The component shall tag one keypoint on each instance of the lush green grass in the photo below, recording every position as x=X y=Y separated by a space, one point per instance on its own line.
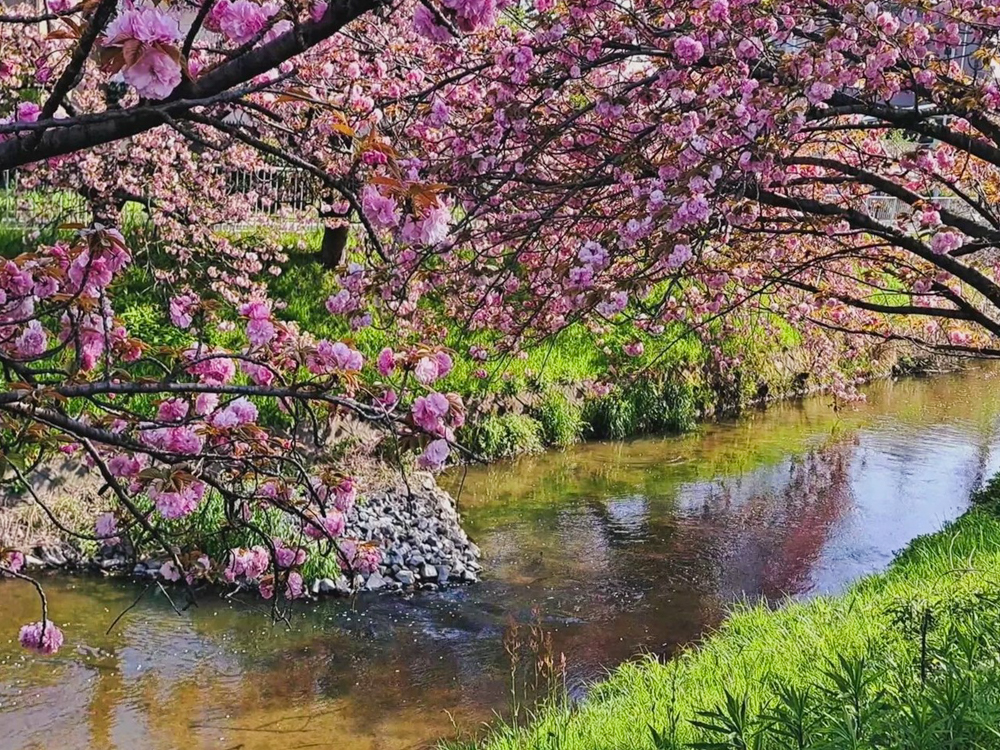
x=906 y=659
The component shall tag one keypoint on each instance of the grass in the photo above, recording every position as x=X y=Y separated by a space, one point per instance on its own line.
x=662 y=391
x=909 y=658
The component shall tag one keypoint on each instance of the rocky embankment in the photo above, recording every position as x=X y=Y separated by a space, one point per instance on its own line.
x=417 y=528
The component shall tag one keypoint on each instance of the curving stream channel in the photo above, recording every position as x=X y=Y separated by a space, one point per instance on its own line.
x=614 y=549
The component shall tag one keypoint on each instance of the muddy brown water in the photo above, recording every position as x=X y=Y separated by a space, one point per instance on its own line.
x=615 y=550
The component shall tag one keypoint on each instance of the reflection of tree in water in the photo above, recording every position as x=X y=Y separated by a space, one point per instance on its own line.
x=623 y=549
x=670 y=568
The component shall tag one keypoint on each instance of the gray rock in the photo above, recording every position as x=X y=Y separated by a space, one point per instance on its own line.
x=444 y=572
x=394 y=558
x=139 y=571
x=33 y=562
x=316 y=587
x=406 y=577
x=53 y=558
x=375 y=582
x=428 y=572
x=327 y=586
x=469 y=577
x=415 y=561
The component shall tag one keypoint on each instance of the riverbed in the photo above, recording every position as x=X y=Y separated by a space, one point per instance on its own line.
x=610 y=551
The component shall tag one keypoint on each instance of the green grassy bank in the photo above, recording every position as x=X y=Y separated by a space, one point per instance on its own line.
x=517 y=404
x=909 y=658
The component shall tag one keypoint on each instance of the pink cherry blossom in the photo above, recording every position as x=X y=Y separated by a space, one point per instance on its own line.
x=12 y=560
x=435 y=455
x=242 y=20
x=173 y=503
x=173 y=410
x=169 y=572
x=106 y=527
x=152 y=65
x=429 y=412
x=688 y=50
x=32 y=341
x=386 y=362
x=43 y=638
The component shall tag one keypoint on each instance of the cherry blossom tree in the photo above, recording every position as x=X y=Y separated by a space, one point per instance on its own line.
x=158 y=105
x=702 y=168
x=832 y=165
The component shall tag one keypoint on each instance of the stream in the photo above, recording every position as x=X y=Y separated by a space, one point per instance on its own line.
x=610 y=550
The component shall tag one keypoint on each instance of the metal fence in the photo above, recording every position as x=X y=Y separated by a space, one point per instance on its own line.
x=886 y=208
x=285 y=200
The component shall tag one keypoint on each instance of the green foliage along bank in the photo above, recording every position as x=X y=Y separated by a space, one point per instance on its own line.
x=909 y=658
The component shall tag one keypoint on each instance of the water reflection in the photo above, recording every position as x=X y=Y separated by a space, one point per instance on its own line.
x=620 y=548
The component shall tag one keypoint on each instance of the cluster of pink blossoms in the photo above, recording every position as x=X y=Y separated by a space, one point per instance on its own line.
x=41 y=637
x=175 y=502
x=32 y=283
x=288 y=557
x=142 y=43
x=359 y=557
x=294 y=586
x=12 y=560
x=247 y=564
x=106 y=529
x=240 y=21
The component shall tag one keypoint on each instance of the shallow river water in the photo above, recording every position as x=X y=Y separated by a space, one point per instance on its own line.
x=614 y=550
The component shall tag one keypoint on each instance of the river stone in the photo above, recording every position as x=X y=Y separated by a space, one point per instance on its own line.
x=443 y=573
x=428 y=572
x=406 y=577
x=52 y=557
x=375 y=582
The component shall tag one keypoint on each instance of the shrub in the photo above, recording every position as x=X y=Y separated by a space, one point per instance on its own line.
x=506 y=435
x=642 y=407
x=561 y=420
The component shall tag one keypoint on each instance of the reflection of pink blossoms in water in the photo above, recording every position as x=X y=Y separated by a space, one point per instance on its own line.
x=44 y=640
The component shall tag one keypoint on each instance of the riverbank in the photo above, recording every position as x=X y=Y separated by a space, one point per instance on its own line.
x=614 y=549
x=415 y=525
x=906 y=658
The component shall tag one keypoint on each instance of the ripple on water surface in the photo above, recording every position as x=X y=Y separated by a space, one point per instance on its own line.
x=611 y=549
